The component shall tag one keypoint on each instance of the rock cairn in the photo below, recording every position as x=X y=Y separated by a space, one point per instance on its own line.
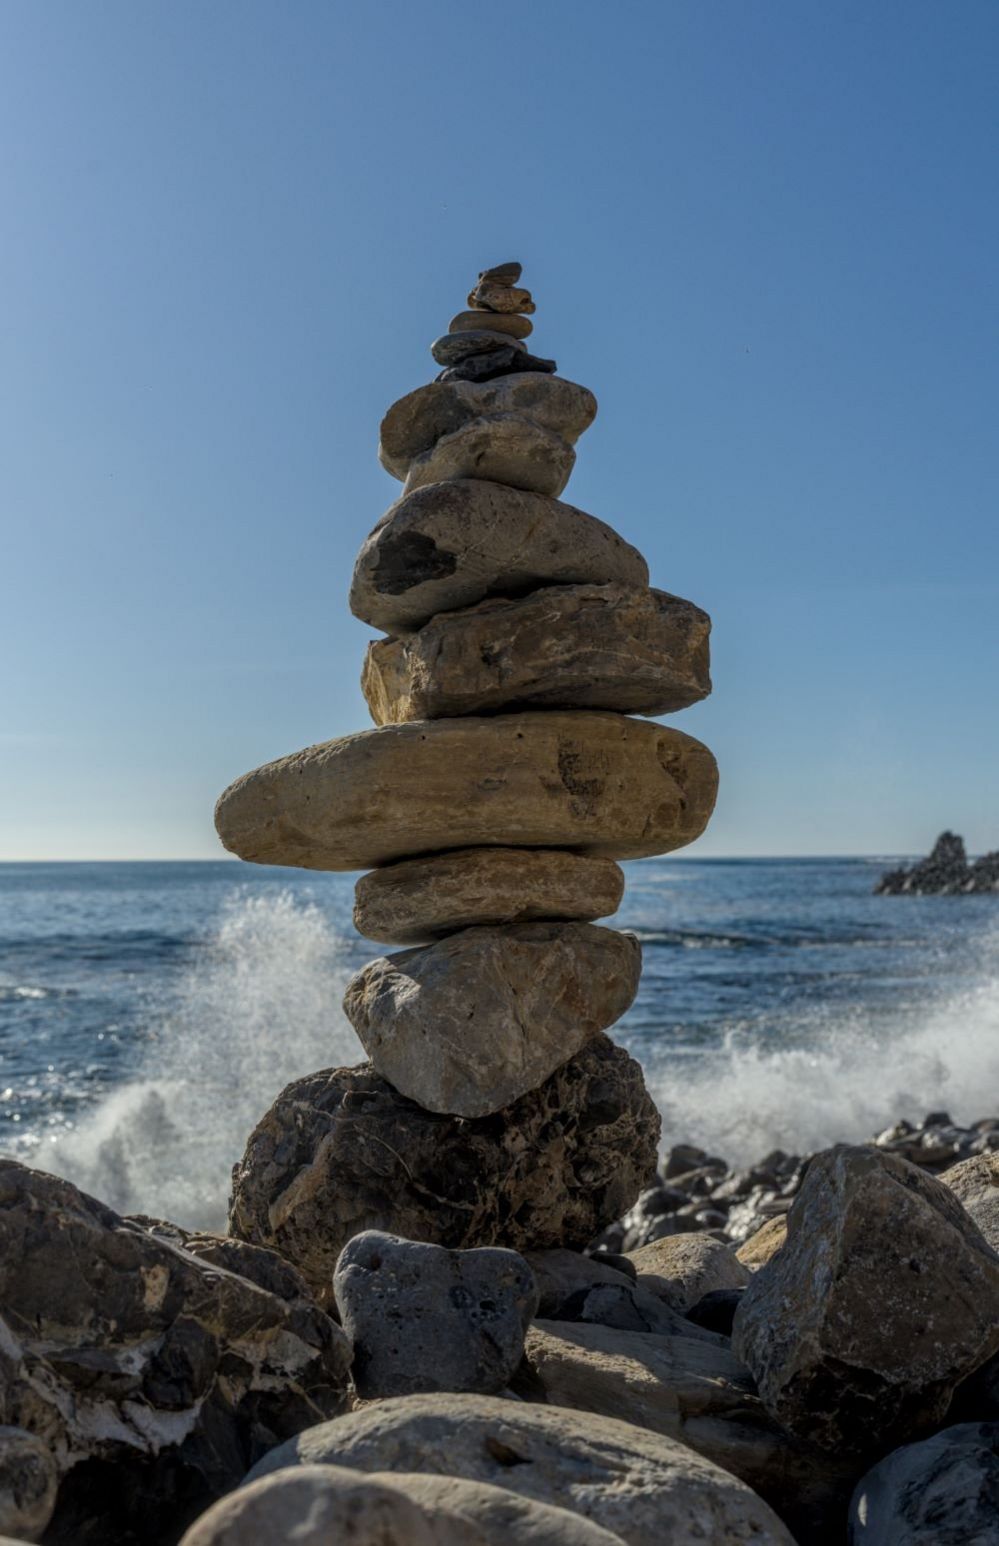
x=505 y=779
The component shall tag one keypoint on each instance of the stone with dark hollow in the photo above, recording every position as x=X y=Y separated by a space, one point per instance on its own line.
x=422 y=1317
x=452 y=544
x=646 y=1489
x=414 y=424
x=419 y=900
x=498 y=448
x=567 y=646
x=341 y=1151
x=471 y=1023
x=883 y=1297
x=600 y=783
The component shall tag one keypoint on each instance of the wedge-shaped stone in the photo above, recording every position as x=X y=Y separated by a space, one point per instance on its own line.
x=566 y=646
x=451 y=544
x=420 y=900
x=342 y=1151
x=500 y=448
x=602 y=783
x=884 y=1296
x=470 y=1024
x=417 y=421
x=647 y=1489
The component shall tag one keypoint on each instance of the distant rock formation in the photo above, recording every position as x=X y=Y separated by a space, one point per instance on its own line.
x=945 y=873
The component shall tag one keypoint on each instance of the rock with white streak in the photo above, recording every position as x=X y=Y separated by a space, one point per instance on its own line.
x=600 y=783
x=471 y=1023
x=419 y=900
x=562 y=647
x=452 y=544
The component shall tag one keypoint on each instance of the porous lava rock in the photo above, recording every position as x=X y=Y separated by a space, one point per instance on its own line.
x=341 y=1151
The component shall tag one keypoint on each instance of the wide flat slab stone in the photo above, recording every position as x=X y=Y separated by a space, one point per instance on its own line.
x=418 y=900
x=499 y=448
x=414 y=424
x=452 y=544
x=647 y=1489
x=633 y=651
x=600 y=783
x=473 y=1022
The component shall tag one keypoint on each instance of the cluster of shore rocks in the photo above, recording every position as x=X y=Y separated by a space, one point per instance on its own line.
x=460 y=1303
x=946 y=872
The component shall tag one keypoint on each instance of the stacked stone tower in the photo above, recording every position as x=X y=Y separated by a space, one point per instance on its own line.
x=508 y=774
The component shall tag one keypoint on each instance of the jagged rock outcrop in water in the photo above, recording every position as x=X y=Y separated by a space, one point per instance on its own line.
x=945 y=873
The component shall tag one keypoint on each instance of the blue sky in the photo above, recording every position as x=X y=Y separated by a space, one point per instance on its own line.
x=764 y=233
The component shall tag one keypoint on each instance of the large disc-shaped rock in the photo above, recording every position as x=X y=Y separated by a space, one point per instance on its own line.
x=500 y=449
x=883 y=1297
x=471 y=1023
x=417 y=421
x=601 y=783
x=451 y=544
x=566 y=646
x=342 y=1151
x=644 y=1488
x=418 y=900
x=153 y=1378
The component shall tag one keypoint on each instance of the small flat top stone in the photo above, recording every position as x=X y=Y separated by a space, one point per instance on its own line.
x=502 y=274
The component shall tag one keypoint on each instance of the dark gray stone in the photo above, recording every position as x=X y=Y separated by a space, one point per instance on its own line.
x=941 y=1492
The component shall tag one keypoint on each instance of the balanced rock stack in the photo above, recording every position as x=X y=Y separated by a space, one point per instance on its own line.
x=505 y=779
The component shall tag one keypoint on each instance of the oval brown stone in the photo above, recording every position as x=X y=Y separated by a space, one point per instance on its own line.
x=600 y=783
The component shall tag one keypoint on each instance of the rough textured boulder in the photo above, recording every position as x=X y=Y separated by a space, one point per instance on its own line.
x=568 y=646
x=419 y=900
x=452 y=544
x=942 y=1492
x=473 y=1022
x=499 y=448
x=642 y=1487
x=975 y=1184
x=324 y=1505
x=884 y=1296
x=422 y=1317
x=681 y=1269
x=417 y=421
x=623 y=788
x=696 y=1391
x=130 y=1358
x=341 y=1151
x=761 y=1247
x=28 y=1482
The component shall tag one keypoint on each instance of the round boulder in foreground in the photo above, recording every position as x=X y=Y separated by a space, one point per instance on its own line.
x=450 y=544
x=418 y=900
x=341 y=1151
x=471 y=1023
x=600 y=783
x=645 y=1488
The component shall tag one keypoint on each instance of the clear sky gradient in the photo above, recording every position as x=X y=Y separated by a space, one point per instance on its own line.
x=764 y=233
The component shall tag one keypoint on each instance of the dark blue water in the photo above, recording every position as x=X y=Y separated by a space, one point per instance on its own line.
x=150 y=1012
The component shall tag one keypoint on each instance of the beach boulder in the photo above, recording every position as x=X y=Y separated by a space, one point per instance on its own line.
x=943 y=1491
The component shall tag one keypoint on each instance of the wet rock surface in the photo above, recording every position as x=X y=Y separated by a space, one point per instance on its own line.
x=423 y=1318
x=341 y=1151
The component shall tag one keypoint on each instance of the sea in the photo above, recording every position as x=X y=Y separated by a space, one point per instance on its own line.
x=150 y=1013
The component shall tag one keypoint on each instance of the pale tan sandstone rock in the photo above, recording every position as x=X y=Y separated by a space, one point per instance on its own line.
x=601 y=783
x=683 y=1268
x=882 y=1299
x=567 y=646
x=499 y=322
x=471 y=1023
x=497 y=1517
x=645 y=1488
x=755 y=1252
x=417 y=421
x=418 y=900
x=975 y=1184
x=696 y=1391
x=500 y=448
x=452 y=544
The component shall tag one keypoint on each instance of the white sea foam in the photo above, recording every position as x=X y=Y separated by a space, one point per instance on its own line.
x=839 y=1077
x=261 y=1008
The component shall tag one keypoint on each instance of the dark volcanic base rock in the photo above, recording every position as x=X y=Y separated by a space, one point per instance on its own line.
x=154 y=1379
x=341 y=1151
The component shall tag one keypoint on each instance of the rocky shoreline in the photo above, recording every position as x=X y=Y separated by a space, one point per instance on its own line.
x=946 y=872
x=462 y=1300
